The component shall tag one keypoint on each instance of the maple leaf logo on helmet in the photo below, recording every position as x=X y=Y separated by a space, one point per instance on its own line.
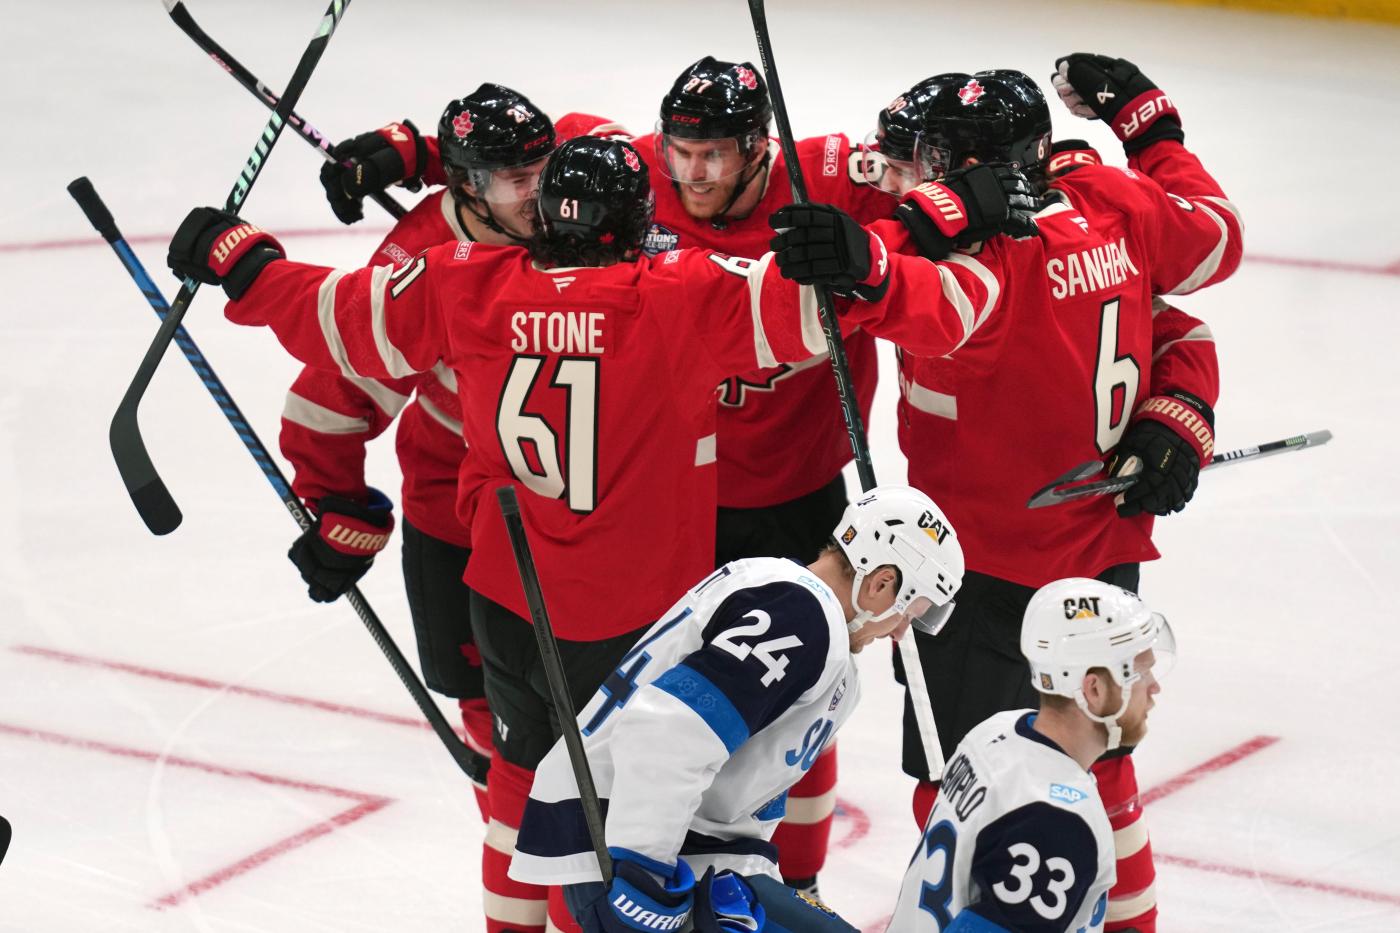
x=971 y=92
x=462 y=124
x=631 y=159
x=746 y=77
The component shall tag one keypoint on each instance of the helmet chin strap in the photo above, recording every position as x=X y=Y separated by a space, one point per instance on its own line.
x=1110 y=723
x=864 y=617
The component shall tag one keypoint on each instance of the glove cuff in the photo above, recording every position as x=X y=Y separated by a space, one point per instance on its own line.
x=353 y=529
x=1187 y=415
x=1142 y=114
x=232 y=245
x=1069 y=155
x=403 y=137
x=941 y=205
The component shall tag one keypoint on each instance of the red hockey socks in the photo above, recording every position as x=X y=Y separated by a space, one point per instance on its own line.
x=925 y=796
x=560 y=920
x=476 y=719
x=805 y=832
x=510 y=905
x=1132 y=901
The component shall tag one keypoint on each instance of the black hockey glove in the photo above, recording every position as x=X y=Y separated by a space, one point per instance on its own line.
x=817 y=244
x=1169 y=439
x=1114 y=91
x=217 y=248
x=966 y=206
x=395 y=154
x=341 y=543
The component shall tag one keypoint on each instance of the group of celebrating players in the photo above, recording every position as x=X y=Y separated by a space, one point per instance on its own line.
x=567 y=303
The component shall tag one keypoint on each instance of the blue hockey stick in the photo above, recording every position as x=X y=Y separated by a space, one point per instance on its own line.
x=471 y=762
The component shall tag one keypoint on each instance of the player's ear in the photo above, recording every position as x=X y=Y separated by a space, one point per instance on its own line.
x=1096 y=692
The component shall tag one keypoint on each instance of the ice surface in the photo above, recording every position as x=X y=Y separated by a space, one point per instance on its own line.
x=128 y=784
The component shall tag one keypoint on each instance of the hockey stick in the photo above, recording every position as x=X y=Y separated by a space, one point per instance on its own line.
x=1064 y=489
x=148 y=493
x=183 y=19
x=558 y=682
x=470 y=761
x=855 y=429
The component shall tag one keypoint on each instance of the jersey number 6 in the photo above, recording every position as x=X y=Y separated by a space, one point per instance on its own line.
x=1115 y=382
x=515 y=428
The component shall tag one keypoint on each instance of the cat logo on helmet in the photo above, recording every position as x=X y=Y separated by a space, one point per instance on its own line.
x=971 y=92
x=462 y=124
x=630 y=157
x=849 y=535
x=933 y=527
x=746 y=77
x=1082 y=607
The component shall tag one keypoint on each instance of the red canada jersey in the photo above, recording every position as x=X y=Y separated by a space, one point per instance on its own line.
x=1029 y=356
x=781 y=431
x=328 y=418
x=590 y=389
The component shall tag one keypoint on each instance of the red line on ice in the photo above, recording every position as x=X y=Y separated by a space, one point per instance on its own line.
x=365 y=804
x=1218 y=763
x=1272 y=877
x=205 y=683
x=859 y=820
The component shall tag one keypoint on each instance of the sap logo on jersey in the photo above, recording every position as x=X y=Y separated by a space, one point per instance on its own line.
x=659 y=240
x=1067 y=794
x=1082 y=607
x=1090 y=270
x=558 y=332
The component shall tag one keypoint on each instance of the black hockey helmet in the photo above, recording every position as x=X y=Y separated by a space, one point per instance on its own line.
x=713 y=99
x=994 y=116
x=888 y=150
x=492 y=128
x=595 y=201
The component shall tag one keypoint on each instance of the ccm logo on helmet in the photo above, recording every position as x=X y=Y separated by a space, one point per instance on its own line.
x=933 y=527
x=1083 y=607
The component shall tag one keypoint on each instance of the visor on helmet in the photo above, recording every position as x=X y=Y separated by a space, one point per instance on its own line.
x=927 y=617
x=879 y=170
x=510 y=184
x=697 y=161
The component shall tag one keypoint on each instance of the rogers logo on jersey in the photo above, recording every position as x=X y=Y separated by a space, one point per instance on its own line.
x=829 y=155
x=660 y=239
x=746 y=77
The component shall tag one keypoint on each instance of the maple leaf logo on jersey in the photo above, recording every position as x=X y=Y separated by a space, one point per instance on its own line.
x=971 y=92
x=631 y=159
x=734 y=390
x=462 y=124
x=746 y=77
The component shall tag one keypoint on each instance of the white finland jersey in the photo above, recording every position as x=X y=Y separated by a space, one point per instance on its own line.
x=696 y=736
x=1018 y=839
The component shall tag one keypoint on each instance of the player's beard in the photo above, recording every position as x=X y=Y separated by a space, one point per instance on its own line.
x=705 y=201
x=1134 y=727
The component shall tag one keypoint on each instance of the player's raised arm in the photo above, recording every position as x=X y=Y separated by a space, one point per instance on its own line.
x=1200 y=242
x=327 y=318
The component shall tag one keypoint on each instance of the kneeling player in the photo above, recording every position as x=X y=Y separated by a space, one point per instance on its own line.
x=1018 y=839
x=721 y=706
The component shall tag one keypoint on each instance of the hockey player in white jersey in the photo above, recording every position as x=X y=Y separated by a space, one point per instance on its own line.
x=1018 y=839
x=720 y=707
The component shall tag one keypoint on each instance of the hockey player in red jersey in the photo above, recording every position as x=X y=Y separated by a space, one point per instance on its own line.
x=717 y=177
x=1056 y=357
x=491 y=147
x=586 y=374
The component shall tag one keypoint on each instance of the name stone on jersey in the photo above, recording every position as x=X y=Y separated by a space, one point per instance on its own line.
x=573 y=332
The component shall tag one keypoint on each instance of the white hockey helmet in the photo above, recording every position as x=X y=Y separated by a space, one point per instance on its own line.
x=900 y=526
x=1076 y=624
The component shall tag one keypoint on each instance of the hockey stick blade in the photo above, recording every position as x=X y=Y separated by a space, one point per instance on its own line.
x=1063 y=489
x=148 y=492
